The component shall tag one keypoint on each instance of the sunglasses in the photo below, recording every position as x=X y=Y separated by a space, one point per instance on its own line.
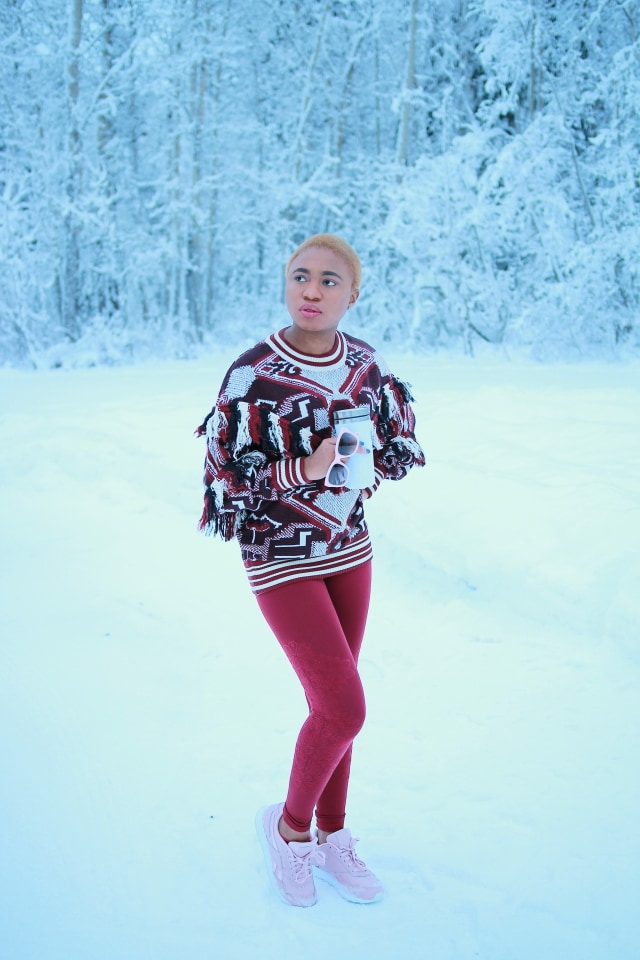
x=347 y=443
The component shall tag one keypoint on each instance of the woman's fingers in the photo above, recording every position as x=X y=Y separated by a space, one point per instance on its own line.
x=317 y=464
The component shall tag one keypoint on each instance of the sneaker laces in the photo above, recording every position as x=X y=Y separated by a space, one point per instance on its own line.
x=300 y=866
x=349 y=858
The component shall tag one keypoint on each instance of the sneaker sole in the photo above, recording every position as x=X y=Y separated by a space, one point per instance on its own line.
x=266 y=853
x=344 y=892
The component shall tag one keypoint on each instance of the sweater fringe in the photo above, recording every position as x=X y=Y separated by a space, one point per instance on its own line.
x=218 y=523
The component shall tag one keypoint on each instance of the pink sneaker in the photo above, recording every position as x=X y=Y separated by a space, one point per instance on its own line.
x=288 y=863
x=336 y=862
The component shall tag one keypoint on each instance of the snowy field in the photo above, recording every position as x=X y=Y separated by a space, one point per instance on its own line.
x=147 y=712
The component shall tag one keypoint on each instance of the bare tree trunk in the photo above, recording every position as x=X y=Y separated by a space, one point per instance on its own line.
x=533 y=69
x=377 y=97
x=346 y=88
x=308 y=95
x=409 y=87
x=71 y=270
x=108 y=283
x=211 y=219
x=194 y=272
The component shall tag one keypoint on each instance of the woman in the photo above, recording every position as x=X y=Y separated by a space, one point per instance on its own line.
x=281 y=476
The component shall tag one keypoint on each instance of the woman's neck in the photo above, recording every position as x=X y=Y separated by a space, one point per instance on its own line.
x=313 y=344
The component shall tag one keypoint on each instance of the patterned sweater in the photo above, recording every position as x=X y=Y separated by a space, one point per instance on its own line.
x=274 y=408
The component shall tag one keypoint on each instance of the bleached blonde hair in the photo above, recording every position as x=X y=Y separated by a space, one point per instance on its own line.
x=328 y=241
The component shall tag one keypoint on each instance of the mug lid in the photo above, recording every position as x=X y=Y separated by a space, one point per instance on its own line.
x=358 y=413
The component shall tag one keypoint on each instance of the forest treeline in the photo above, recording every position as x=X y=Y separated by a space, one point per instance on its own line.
x=159 y=161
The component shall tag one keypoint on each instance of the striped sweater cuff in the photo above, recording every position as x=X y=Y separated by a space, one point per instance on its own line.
x=289 y=473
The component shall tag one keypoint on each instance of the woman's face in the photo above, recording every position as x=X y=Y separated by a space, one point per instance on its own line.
x=319 y=290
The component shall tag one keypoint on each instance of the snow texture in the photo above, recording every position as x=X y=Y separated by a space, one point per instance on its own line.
x=147 y=712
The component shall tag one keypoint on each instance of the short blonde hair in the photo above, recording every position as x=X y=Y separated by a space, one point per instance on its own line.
x=330 y=242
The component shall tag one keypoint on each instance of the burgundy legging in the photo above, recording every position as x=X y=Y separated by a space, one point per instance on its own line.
x=319 y=625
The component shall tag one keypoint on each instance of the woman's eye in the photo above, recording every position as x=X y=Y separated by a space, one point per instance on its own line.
x=330 y=283
x=300 y=278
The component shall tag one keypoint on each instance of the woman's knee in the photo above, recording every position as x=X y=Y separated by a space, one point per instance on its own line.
x=357 y=719
x=347 y=712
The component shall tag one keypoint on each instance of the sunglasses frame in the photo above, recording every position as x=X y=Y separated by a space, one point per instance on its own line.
x=337 y=460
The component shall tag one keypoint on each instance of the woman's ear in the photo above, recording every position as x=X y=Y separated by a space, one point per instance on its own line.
x=352 y=299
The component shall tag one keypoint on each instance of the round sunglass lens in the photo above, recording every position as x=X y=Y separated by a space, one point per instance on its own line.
x=347 y=446
x=338 y=474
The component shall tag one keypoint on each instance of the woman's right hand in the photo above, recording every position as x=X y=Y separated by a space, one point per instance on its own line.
x=317 y=464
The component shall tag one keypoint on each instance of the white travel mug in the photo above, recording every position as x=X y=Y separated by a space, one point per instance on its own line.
x=361 y=471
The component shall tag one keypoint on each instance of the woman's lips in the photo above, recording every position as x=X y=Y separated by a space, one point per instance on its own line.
x=309 y=311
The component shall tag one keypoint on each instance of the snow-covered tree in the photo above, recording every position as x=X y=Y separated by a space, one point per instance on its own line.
x=158 y=162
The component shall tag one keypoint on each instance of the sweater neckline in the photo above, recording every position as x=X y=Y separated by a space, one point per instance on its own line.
x=334 y=358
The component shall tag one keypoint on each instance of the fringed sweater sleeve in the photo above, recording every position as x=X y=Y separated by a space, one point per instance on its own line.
x=247 y=462
x=396 y=449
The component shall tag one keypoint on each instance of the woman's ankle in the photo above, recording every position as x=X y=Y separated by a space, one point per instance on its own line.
x=289 y=835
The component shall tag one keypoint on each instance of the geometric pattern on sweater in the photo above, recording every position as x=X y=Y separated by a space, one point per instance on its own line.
x=274 y=408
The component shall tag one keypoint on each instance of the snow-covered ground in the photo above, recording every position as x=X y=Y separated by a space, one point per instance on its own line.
x=147 y=712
